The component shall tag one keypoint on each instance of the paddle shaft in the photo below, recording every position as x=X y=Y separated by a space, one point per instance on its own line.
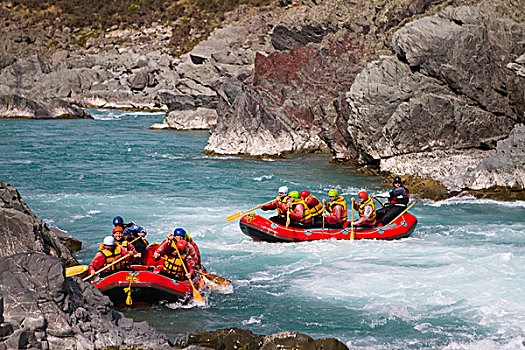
x=404 y=211
x=196 y=294
x=241 y=213
x=378 y=201
x=352 y=223
x=106 y=267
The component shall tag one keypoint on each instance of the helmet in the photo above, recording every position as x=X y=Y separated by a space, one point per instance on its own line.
x=304 y=193
x=181 y=245
x=294 y=195
x=108 y=240
x=284 y=189
x=118 y=229
x=362 y=194
x=118 y=220
x=333 y=193
x=397 y=180
x=179 y=232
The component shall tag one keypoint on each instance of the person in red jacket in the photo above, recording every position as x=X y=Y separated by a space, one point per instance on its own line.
x=280 y=203
x=173 y=267
x=111 y=253
x=337 y=208
x=300 y=216
x=315 y=207
x=181 y=234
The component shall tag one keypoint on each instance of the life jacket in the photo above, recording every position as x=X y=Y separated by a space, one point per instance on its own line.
x=280 y=212
x=361 y=209
x=172 y=263
x=317 y=209
x=307 y=213
x=123 y=244
x=339 y=201
x=112 y=256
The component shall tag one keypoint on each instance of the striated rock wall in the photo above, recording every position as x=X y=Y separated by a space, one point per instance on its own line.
x=447 y=105
x=22 y=231
x=44 y=310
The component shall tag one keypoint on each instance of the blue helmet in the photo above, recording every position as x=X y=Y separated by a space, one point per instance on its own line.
x=118 y=220
x=179 y=232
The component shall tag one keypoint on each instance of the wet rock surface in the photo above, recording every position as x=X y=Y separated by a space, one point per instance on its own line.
x=235 y=338
x=22 y=231
x=43 y=309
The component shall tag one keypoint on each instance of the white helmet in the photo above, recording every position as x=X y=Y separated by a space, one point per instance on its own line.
x=284 y=189
x=108 y=240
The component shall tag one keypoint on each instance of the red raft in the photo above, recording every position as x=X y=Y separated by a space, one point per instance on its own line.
x=142 y=285
x=262 y=229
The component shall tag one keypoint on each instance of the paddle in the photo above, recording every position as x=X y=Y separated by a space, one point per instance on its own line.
x=324 y=202
x=404 y=211
x=287 y=218
x=105 y=267
x=238 y=215
x=378 y=201
x=80 y=269
x=196 y=294
x=352 y=222
x=217 y=279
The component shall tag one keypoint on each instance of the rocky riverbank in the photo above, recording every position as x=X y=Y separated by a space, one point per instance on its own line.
x=425 y=89
x=42 y=309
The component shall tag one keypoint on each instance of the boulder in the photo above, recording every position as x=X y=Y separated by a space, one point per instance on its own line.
x=235 y=338
x=43 y=309
x=14 y=106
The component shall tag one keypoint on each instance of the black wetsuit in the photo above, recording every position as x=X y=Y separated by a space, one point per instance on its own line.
x=397 y=202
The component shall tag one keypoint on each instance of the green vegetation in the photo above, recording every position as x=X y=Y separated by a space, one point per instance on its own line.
x=95 y=16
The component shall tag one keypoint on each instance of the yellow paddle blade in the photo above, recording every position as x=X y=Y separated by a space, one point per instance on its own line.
x=80 y=271
x=234 y=217
x=197 y=296
x=128 y=299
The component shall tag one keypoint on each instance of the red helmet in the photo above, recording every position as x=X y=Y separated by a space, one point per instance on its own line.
x=362 y=194
x=182 y=244
x=304 y=193
x=118 y=229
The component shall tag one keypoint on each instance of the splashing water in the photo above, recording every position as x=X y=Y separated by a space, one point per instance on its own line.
x=457 y=283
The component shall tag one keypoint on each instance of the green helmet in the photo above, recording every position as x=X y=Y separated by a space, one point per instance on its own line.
x=294 y=195
x=333 y=193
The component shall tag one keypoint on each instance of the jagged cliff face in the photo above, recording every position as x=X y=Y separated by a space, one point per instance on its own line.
x=449 y=85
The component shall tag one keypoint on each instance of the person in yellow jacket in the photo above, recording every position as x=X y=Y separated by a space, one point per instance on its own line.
x=337 y=208
x=110 y=253
x=366 y=209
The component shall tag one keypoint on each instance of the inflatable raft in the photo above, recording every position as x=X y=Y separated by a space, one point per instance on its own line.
x=142 y=285
x=262 y=229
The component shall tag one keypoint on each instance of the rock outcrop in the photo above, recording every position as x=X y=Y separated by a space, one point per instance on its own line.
x=13 y=106
x=447 y=86
x=22 y=231
x=234 y=338
x=446 y=107
x=44 y=310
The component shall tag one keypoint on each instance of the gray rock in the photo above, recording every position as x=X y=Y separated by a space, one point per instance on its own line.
x=22 y=231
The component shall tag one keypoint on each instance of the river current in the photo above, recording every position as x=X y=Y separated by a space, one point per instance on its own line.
x=457 y=283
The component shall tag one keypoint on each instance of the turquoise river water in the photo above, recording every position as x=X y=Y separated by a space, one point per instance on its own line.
x=457 y=283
